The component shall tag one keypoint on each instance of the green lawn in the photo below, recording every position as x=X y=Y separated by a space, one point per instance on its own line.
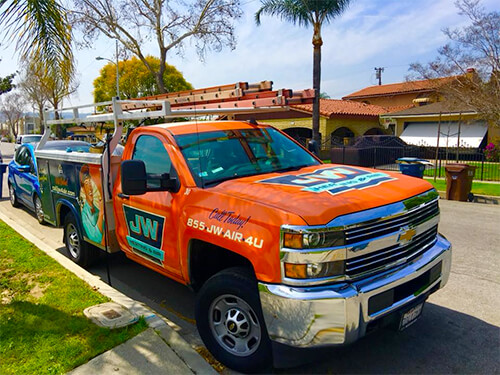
x=479 y=188
x=42 y=326
x=490 y=171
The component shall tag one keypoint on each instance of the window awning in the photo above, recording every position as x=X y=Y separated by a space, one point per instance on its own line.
x=425 y=134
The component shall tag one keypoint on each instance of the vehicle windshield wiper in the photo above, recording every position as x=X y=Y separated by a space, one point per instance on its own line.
x=292 y=168
x=222 y=179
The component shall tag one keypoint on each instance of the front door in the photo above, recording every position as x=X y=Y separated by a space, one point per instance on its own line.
x=24 y=179
x=151 y=225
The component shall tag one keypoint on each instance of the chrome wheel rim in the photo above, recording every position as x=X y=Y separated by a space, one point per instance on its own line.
x=73 y=241
x=38 y=209
x=234 y=325
x=12 y=195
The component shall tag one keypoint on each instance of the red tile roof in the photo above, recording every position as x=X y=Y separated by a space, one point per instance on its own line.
x=398 y=108
x=332 y=107
x=399 y=88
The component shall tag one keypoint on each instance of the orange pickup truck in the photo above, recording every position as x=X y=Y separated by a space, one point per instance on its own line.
x=279 y=246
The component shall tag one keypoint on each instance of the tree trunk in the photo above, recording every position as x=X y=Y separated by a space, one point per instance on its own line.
x=159 y=82
x=317 y=42
x=40 y=114
x=161 y=71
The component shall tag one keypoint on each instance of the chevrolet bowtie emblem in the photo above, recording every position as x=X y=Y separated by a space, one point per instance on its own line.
x=407 y=235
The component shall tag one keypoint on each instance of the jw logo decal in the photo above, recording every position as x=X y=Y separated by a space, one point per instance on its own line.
x=334 y=180
x=145 y=232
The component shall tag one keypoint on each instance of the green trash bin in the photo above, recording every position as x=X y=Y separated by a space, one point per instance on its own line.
x=459 y=179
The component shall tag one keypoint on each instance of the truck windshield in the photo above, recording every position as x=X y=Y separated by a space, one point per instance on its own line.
x=218 y=156
x=31 y=138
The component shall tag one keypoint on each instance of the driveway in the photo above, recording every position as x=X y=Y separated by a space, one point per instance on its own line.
x=458 y=332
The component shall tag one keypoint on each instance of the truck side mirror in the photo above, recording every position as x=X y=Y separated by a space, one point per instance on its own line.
x=171 y=181
x=134 y=178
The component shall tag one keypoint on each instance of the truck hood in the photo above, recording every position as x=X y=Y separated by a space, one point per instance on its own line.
x=321 y=193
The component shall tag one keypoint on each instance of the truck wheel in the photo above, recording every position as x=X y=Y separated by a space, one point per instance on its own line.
x=230 y=321
x=12 y=195
x=79 y=251
x=39 y=210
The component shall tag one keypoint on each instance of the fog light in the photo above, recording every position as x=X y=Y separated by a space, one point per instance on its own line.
x=314 y=270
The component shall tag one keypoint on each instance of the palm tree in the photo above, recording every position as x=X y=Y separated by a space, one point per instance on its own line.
x=42 y=33
x=307 y=13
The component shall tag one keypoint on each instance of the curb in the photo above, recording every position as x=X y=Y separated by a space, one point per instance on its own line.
x=159 y=323
x=485 y=199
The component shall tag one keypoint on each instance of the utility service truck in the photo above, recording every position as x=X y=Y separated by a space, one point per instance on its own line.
x=280 y=247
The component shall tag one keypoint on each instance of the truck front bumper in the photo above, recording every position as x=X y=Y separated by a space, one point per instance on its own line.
x=342 y=313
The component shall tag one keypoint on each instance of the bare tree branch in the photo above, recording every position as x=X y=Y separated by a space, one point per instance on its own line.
x=472 y=57
x=210 y=23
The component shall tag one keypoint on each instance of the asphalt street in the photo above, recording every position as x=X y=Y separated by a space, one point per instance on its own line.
x=459 y=331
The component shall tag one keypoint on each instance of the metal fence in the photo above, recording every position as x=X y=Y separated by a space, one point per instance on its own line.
x=385 y=156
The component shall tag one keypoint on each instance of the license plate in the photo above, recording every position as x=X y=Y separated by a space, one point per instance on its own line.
x=410 y=317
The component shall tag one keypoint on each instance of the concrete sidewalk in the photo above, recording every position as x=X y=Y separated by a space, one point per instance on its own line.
x=158 y=350
x=154 y=351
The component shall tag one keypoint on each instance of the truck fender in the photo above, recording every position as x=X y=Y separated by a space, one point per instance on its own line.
x=68 y=205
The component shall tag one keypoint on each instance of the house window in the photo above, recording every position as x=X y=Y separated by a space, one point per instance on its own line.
x=29 y=128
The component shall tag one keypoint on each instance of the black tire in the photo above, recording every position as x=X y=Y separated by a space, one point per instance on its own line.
x=37 y=202
x=12 y=196
x=470 y=197
x=230 y=321
x=79 y=251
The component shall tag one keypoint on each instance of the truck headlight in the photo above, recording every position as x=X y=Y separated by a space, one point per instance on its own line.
x=313 y=240
x=314 y=270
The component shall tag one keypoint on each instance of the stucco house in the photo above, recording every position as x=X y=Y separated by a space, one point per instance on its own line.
x=401 y=95
x=455 y=124
x=339 y=120
x=416 y=109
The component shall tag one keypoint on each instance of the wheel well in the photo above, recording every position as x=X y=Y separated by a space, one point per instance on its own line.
x=206 y=259
x=63 y=212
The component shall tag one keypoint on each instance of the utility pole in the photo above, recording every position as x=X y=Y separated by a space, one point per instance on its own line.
x=378 y=75
x=117 y=70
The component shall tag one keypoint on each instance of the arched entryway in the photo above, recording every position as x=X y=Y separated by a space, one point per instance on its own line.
x=374 y=131
x=340 y=135
x=299 y=134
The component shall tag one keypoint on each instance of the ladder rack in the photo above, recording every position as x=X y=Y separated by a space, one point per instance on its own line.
x=237 y=98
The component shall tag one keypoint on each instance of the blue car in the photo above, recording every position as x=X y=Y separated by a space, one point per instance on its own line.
x=23 y=179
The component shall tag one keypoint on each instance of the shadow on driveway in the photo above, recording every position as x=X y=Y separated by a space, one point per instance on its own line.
x=442 y=341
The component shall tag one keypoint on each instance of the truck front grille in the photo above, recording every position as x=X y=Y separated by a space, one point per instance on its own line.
x=400 y=252
x=391 y=256
x=371 y=230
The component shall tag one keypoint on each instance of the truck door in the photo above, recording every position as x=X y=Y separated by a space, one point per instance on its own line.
x=151 y=224
x=24 y=180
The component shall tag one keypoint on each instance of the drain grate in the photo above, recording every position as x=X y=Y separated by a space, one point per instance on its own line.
x=110 y=315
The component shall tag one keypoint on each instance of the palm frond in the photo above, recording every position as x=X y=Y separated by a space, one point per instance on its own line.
x=302 y=12
x=292 y=11
x=42 y=32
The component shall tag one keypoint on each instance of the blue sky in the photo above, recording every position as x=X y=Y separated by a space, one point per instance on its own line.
x=371 y=33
